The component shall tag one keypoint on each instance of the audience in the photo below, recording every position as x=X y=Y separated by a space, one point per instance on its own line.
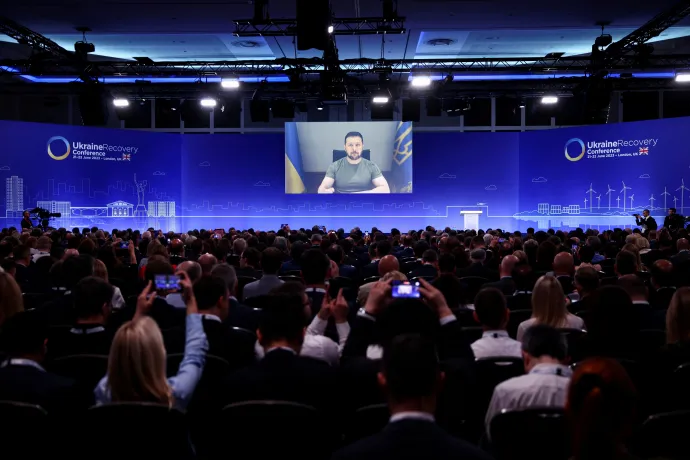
x=491 y=312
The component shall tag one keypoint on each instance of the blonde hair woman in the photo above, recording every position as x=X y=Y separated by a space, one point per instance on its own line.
x=11 y=301
x=549 y=306
x=678 y=317
x=137 y=361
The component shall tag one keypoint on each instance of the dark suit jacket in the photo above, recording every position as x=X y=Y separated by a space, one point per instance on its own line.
x=33 y=386
x=370 y=269
x=477 y=269
x=242 y=316
x=236 y=348
x=506 y=285
x=411 y=439
x=282 y=375
x=92 y=339
x=650 y=222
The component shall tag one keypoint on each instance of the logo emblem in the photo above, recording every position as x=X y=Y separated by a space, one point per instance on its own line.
x=127 y=157
x=644 y=151
x=581 y=153
x=67 y=148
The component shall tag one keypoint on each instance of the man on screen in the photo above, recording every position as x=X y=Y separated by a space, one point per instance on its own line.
x=352 y=173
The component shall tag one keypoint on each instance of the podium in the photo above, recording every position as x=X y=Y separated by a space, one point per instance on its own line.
x=471 y=219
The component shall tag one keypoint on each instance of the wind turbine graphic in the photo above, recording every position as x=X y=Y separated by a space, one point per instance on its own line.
x=585 y=202
x=599 y=201
x=591 y=202
x=682 y=189
x=608 y=192
x=675 y=201
x=652 y=200
x=618 y=201
x=625 y=189
x=665 y=194
x=632 y=198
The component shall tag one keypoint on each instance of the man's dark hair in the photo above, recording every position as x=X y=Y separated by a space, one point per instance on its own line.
x=21 y=252
x=673 y=210
x=90 y=294
x=289 y=288
x=451 y=288
x=490 y=306
x=542 y=340
x=446 y=263
x=430 y=256
x=282 y=318
x=588 y=278
x=411 y=368
x=76 y=268
x=646 y=210
x=157 y=267
x=419 y=248
x=271 y=260
x=296 y=251
x=626 y=263
x=407 y=316
x=23 y=334
x=353 y=134
x=315 y=265
x=383 y=248
x=523 y=276
x=336 y=253
x=208 y=290
x=662 y=273
x=253 y=256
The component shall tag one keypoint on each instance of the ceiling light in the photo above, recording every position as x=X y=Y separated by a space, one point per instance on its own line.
x=230 y=83
x=330 y=29
x=522 y=104
x=120 y=102
x=208 y=102
x=549 y=100
x=421 y=81
x=683 y=77
x=380 y=100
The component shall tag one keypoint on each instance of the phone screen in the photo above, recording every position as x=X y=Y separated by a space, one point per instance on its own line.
x=283 y=225
x=167 y=282
x=501 y=240
x=574 y=247
x=124 y=245
x=406 y=290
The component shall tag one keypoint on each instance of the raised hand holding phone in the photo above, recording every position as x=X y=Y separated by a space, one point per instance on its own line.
x=435 y=299
x=145 y=301
x=187 y=292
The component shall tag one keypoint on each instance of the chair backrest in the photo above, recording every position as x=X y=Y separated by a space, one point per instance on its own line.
x=652 y=339
x=287 y=278
x=296 y=429
x=297 y=273
x=366 y=421
x=511 y=430
x=154 y=430
x=492 y=371
x=256 y=302
x=574 y=338
x=338 y=154
x=371 y=279
x=215 y=367
x=416 y=279
x=472 y=285
x=87 y=370
x=242 y=281
x=26 y=422
x=34 y=300
x=664 y=436
x=516 y=317
x=473 y=333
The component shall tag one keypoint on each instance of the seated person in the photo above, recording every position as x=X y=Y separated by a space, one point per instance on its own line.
x=490 y=310
x=546 y=382
x=352 y=173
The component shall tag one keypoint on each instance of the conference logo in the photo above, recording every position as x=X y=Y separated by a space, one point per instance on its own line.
x=580 y=153
x=58 y=140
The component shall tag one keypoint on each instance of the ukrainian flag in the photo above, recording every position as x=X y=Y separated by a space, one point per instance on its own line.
x=294 y=175
x=401 y=171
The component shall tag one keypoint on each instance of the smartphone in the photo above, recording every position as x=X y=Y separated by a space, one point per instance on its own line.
x=405 y=290
x=167 y=282
x=501 y=240
x=219 y=231
x=574 y=247
x=282 y=226
x=124 y=245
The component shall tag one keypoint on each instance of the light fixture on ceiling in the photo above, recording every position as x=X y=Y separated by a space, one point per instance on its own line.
x=549 y=100
x=208 y=102
x=330 y=29
x=119 y=102
x=683 y=77
x=421 y=81
x=522 y=104
x=230 y=83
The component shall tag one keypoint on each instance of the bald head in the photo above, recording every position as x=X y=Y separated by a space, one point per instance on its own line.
x=682 y=244
x=207 y=262
x=662 y=273
x=563 y=264
x=634 y=286
x=507 y=265
x=176 y=247
x=387 y=264
x=192 y=269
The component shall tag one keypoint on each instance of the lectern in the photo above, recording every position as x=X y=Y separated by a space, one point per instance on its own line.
x=471 y=219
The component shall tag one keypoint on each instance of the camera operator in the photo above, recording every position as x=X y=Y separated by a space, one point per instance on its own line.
x=646 y=222
x=26 y=221
x=673 y=220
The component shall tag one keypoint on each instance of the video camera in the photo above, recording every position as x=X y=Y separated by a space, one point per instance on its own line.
x=44 y=214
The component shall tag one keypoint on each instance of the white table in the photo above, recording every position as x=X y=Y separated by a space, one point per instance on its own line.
x=471 y=219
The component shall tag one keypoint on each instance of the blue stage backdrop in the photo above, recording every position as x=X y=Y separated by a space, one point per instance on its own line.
x=516 y=180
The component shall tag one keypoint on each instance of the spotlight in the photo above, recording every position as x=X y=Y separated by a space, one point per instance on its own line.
x=549 y=100
x=421 y=82
x=120 y=102
x=208 y=102
x=683 y=77
x=330 y=29
x=230 y=83
x=380 y=100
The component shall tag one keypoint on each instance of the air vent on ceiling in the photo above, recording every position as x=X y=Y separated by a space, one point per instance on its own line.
x=440 y=42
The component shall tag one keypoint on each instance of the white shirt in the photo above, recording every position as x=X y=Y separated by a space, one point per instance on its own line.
x=37 y=255
x=175 y=300
x=571 y=322
x=496 y=344
x=316 y=345
x=546 y=385
x=412 y=415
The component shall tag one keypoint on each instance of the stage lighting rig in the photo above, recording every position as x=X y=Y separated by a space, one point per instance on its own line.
x=82 y=48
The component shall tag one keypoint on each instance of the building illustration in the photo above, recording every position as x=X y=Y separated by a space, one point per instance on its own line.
x=161 y=209
x=14 y=197
x=120 y=209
